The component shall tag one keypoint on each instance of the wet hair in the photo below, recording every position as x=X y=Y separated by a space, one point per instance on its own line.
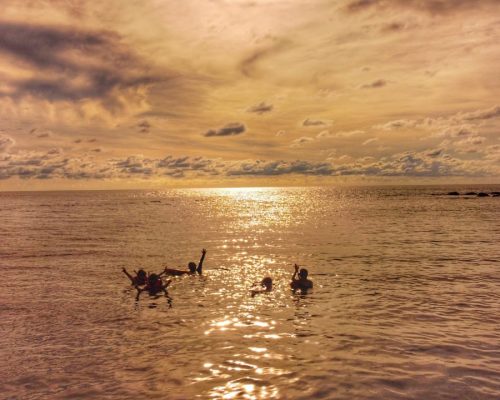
x=192 y=266
x=303 y=273
x=141 y=273
x=267 y=282
x=153 y=278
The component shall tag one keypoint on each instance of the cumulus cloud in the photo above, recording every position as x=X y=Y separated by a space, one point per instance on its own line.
x=274 y=168
x=56 y=164
x=260 y=108
x=457 y=125
x=231 y=129
x=489 y=113
x=457 y=131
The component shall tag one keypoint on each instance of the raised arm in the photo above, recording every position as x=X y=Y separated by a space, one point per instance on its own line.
x=129 y=276
x=200 y=264
x=294 y=276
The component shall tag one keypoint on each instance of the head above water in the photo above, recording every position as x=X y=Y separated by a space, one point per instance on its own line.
x=153 y=278
x=267 y=282
x=192 y=266
x=141 y=273
x=303 y=273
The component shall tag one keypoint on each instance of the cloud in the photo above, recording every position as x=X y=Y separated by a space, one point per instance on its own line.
x=429 y=6
x=325 y=135
x=375 y=84
x=40 y=134
x=275 y=168
x=56 y=164
x=397 y=124
x=231 y=129
x=394 y=26
x=70 y=64
x=260 y=108
x=144 y=126
x=301 y=141
x=248 y=65
x=345 y=134
x=456 y=125
x=315 y=122
x=6 y=142
x=480 y=115
x=434 y=153
x=457 y=131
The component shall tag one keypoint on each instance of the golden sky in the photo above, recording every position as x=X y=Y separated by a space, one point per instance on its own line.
x=160 y=93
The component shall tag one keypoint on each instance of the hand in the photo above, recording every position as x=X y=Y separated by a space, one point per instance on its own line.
x=203 y=251
x=296 y=267
x=124 y=270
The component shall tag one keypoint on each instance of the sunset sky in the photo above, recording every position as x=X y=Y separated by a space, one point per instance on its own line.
x=168 y=93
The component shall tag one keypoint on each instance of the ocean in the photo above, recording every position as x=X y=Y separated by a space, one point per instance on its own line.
x=405 y=305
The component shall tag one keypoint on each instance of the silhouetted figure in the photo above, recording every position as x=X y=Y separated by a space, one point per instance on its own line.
x=266 y=284
x=301 y=283
x=139 y=279
x=193 y=268
x=153 y=286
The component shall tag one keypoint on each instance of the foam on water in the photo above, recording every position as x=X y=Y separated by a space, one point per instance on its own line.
x=406 y=301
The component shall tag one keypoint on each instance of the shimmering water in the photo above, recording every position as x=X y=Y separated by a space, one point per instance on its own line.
x=406 y=301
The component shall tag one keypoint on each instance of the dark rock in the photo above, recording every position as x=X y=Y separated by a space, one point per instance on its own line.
x=482 y=194
x=453 y=194
x=470 y=193
x=495 y=193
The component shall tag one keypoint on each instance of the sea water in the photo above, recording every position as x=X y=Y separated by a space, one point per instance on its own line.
x=406 y=299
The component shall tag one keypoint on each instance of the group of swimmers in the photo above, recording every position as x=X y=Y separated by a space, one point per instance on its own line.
x=153 y=283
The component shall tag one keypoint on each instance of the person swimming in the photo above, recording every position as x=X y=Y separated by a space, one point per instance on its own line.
x=301 y=283
x=139 y=279
x=153 y=286
x=192 y=267
x=266 y=284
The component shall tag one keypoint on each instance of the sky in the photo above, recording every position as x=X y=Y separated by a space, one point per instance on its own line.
x=165 y=93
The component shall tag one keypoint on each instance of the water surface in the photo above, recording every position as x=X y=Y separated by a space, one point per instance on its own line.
x=406 y=301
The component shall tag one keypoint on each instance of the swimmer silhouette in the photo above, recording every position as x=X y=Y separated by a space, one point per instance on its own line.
x=266 y=284
x=139 y=279
x=193 y=269
x=154 y=286
x=301 y=283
